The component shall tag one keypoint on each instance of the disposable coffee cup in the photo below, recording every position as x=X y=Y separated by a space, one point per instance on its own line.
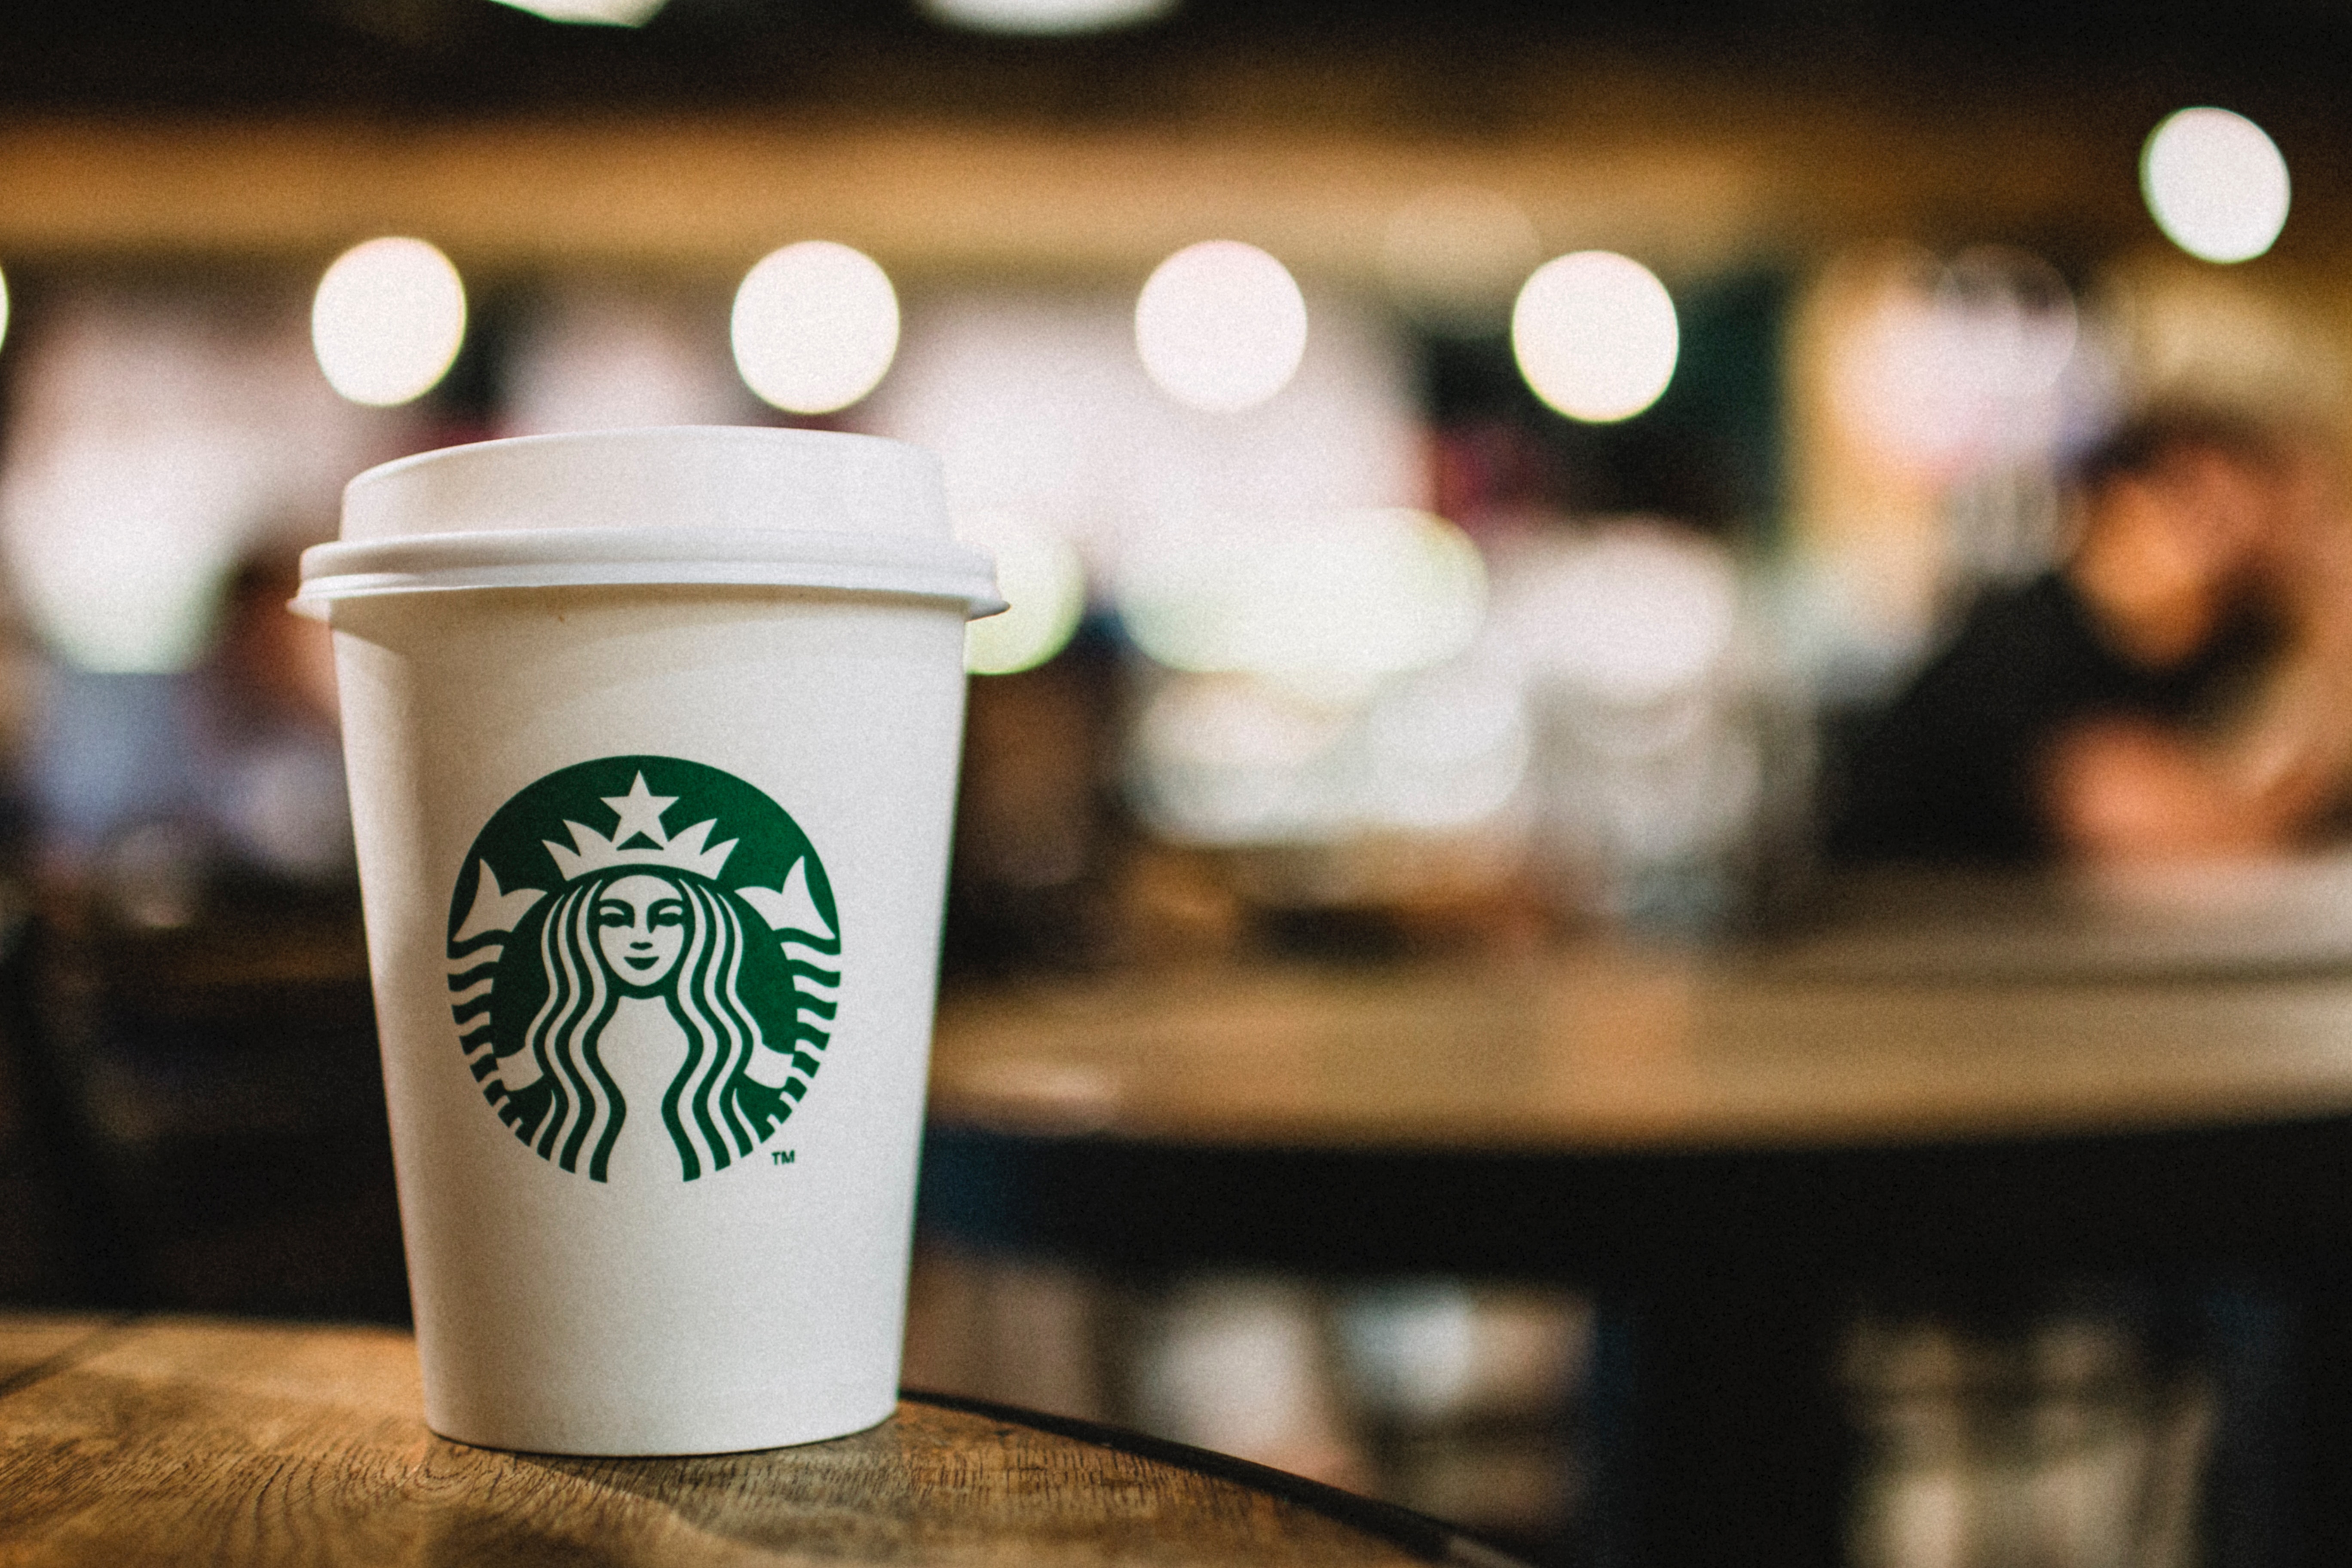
x=652 y=738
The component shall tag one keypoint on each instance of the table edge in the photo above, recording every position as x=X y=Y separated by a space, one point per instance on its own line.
x=1430 y=1539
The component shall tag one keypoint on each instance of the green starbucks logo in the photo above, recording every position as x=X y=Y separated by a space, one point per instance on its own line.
x=623 y=986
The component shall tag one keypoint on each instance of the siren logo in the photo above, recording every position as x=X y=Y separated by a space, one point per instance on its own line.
x=632 y=997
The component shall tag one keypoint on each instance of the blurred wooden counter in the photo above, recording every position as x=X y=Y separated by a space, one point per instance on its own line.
x=205 y=1441
x=1972 y=1096
x=1613 y=1049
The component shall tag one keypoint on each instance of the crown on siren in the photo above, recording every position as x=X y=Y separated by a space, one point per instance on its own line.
x=640 y=813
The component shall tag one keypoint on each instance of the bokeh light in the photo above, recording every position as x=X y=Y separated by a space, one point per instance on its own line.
x=387 y=321
x=1236 y=759
x=1039 y=408
x=2216 y=184
x=1045 y=588
x=4 y=308
x=1632 y=617
x=1952 y=366
x=1332 y=601
x=598 y=12
x=1221 y=326
x=1047 y=18
x=815 y=327
x=1444 y=749
x=1595 y=334
x=120 y=534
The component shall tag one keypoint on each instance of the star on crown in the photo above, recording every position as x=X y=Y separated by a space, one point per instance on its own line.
x=640 y=813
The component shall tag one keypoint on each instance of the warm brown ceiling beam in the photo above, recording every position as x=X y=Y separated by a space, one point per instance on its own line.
x=709 y=195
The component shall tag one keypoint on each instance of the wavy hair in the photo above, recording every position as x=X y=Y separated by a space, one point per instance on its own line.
x=702 y=990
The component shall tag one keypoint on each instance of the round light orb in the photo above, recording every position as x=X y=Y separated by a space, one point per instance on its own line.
x=1631 y=617
x=1047 y=18
x=1044 y=588
x=1221 y=326
x=1949 y=366
x=2216 y=184
x=1595 y=335
x=815 y=327
x=4 y=308
x=387 y=321
x=1330 y=602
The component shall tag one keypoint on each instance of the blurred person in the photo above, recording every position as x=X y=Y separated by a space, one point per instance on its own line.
x=157 y=785
x=269 y=760
x=2180 y=687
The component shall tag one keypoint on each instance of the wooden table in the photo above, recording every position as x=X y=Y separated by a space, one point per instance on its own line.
x=163 y=1440
x=2018 y=1021
x=2146 y=1077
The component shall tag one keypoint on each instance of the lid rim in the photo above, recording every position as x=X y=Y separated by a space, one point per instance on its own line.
x=649 y=545
x=318 y=597
x=895 y=564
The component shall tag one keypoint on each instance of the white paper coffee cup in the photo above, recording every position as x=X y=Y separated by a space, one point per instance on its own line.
x=652 y=738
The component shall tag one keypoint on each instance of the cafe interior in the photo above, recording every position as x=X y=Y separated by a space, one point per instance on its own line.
x=1654 y=859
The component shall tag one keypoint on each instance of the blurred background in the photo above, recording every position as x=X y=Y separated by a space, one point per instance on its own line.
x=1668 y=488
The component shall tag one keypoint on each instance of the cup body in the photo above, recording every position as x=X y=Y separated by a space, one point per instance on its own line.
x=653 y=876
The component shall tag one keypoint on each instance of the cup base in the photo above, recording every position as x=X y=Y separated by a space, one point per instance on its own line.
x=790 y=1436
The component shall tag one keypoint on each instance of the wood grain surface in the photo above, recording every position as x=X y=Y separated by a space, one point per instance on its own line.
x=196 y=1441
x=31 y=1340
x=1613 y=1049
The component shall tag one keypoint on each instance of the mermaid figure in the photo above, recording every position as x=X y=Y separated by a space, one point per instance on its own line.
x=638 y=931
x=613 y=990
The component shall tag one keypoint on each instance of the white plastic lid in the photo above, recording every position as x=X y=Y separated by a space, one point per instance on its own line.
x=680 y=504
